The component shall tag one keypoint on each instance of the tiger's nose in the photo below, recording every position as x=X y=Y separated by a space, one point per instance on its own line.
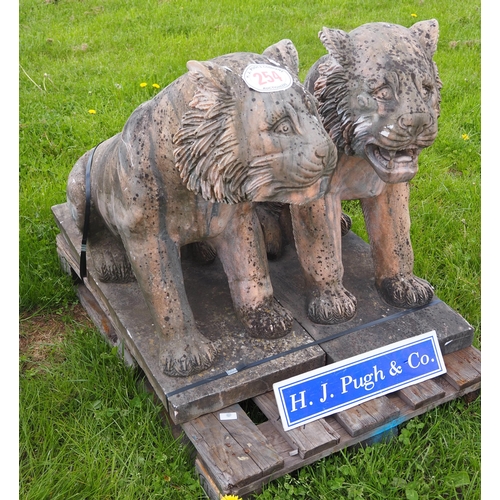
x=415 y=123
x=327 y=153
x=322 y=150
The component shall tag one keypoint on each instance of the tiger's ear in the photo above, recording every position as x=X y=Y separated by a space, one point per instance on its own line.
x=213 y=83
x=338 y=43
x=427 y=33
x=285 y=54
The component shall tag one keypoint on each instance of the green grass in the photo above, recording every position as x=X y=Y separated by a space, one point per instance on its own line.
x=86 y=431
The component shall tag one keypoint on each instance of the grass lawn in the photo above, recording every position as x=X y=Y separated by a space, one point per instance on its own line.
x=87 y=429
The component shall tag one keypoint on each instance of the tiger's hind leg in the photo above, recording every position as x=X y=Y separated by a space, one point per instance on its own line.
x=109 y=257
x=107 y=253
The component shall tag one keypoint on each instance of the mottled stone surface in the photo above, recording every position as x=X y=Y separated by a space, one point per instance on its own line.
x=187 y=167
x=378 y=92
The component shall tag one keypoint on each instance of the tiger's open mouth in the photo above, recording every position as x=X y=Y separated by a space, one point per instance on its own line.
x=393 y=165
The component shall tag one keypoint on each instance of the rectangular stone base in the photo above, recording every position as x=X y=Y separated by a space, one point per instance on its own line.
x=376 y=323
x=259 y=363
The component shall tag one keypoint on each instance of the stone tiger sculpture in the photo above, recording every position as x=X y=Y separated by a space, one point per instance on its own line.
x=188 y=167
x=378 y=91
x=378 y=94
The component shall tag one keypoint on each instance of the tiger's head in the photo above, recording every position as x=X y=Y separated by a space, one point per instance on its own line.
x=379 y=93
x=245 y=140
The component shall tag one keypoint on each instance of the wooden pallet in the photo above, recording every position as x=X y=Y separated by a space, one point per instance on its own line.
x=239 y=456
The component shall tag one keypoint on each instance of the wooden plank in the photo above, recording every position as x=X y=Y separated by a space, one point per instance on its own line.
x=97 y=315
x=421 y=394
x=308 y=439
x=95 y=308
x=277 y=441
x=463 y=368
x=229 y=464
x=254 y=444
x=367 y=416
x=209 y=486
x=356 y=420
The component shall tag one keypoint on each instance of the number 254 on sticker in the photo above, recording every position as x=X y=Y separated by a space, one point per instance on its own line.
x=267 y=78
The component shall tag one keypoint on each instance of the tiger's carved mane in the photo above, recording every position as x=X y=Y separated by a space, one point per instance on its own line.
x=206 y=146
x=331 y=91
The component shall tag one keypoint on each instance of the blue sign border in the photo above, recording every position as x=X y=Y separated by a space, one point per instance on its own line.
x=347 y=383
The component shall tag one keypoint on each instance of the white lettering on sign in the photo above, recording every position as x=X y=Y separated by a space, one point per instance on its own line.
x=267 y=78
x=367 y=382
x=414 y=360
x=295 y=400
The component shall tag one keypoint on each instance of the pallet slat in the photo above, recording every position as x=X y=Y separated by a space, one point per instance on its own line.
x=254 y=444
x=309 y=439
x=226 y=459
x=421 y=394
x=367 y=416
x=463 y=368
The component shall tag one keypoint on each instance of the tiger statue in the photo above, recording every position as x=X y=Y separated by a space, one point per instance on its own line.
x=378 y=94
x=189 y=166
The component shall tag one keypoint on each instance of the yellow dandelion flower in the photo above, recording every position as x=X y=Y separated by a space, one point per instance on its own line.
x=156 y=86
x=414 y=15
x=465 y=137
x=92 y=111
x=144 y=84
x=230 y=497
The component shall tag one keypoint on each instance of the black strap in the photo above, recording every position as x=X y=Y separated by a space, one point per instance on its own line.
x=86 y=222
x=299 y=348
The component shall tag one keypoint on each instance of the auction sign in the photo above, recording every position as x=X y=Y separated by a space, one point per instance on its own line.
x=347 y=383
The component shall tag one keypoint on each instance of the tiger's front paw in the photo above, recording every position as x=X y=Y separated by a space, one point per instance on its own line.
x=406 y=292
x=329 y=308
x=182 y=359
x=269 y=320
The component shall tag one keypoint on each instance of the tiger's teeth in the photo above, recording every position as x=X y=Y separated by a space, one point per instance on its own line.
x=404 y=159
x=385 y=154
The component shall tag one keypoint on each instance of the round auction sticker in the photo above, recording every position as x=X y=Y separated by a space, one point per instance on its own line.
x=267 y=78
